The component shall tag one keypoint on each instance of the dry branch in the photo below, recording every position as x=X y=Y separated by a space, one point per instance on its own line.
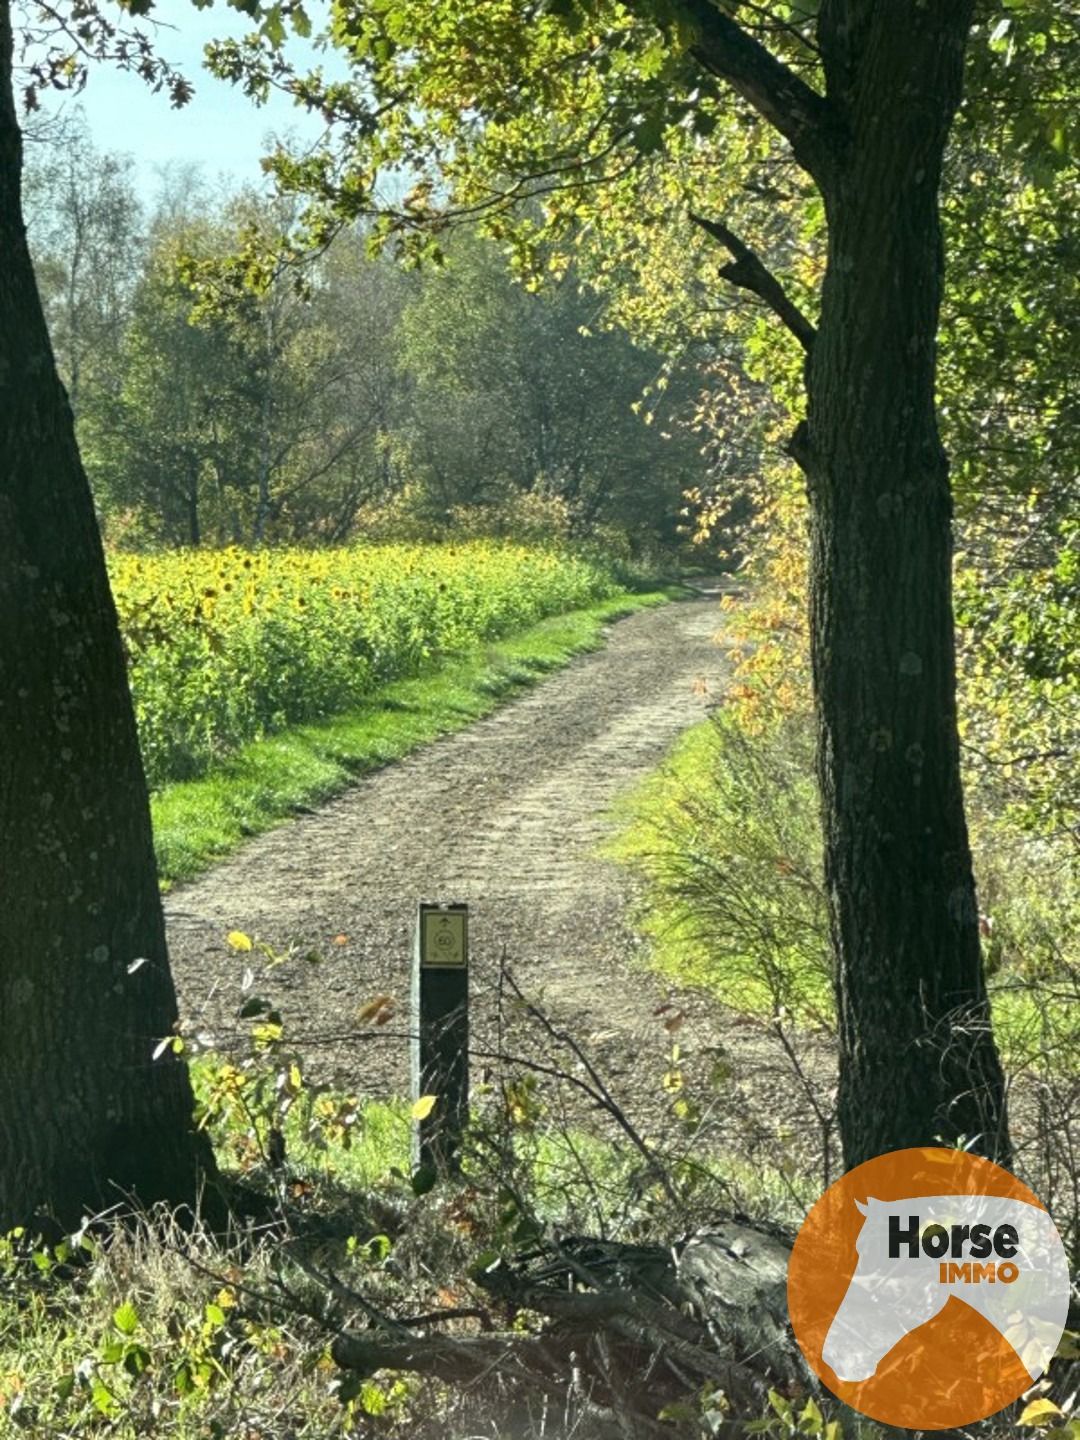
x=635 y=1325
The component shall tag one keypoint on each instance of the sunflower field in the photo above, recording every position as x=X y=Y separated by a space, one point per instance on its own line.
x=228 y=646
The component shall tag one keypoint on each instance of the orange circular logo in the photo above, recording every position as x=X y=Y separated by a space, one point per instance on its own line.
x=928 y=1288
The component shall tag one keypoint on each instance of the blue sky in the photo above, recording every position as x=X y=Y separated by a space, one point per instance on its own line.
x=220 y=129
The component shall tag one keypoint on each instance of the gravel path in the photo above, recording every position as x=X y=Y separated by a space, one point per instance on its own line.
x=506 y=816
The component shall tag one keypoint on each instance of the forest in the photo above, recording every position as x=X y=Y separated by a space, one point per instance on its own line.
x=621 y=480
x=347 y=399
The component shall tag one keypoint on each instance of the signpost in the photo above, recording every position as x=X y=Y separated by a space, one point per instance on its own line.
x=440 y=1033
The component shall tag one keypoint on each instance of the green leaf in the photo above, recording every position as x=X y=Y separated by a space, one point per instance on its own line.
x=782 y=1406
x=103 y=1399
x=424 y=1179
x=649 y=134
x=126 y=1318
x=378 y=1248
x=811 y=1419
x=680 y=1410
x=273 y=27
x=137 y=1360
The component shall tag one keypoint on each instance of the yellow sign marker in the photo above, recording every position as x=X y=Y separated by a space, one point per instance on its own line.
x=443 y=939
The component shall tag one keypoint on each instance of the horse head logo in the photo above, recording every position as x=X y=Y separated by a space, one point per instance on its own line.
x=1002 y=1257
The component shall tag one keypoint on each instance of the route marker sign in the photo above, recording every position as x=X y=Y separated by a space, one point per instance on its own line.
x=444 y=937
x=440 y=1034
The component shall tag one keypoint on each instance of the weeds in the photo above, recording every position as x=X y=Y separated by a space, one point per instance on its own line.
x=727 y=838
x=573 y=1283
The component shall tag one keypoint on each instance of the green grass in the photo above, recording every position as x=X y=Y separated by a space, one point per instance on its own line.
x=383 y=1146
x=726 y=838
x=724 y=835
x=198 y=822
x=644 y=816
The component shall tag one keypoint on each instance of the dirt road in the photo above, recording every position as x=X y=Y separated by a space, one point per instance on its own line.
x=507 y=816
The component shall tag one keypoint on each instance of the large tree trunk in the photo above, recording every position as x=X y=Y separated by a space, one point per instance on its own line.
x=86 y=1114
x=918 y=1062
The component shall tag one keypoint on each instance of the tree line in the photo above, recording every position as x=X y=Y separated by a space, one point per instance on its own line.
x=347 y=395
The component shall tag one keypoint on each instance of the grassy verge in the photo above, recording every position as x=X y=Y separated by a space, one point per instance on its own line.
x=644 y=817
x=725 y=837
x=199 y=821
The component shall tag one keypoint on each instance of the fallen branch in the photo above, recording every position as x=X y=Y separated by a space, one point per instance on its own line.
x=634 y=1326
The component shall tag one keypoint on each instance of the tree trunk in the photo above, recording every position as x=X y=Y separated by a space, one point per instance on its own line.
x=193 y=525
x=86 y=1114
x=266 y=407
x=918 y=1061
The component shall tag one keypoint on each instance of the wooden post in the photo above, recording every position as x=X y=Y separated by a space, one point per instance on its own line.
x=440 y=1033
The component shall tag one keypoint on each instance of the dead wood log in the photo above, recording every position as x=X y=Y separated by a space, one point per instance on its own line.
x=633 y=1326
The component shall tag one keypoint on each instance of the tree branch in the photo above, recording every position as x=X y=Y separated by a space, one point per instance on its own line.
x=748 y=272
x=803 y=116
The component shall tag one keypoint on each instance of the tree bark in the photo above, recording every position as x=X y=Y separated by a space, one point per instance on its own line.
x=86 y=1115
x=918 y=1064
x=193 y=523
x=918 y=1061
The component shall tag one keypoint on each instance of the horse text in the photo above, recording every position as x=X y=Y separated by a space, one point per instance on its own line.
x=936 y=1241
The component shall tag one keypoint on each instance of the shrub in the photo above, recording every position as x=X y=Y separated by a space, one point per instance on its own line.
x=729 y=840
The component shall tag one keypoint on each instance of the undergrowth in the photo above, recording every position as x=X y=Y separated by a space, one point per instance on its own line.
x=140 y=1325
x=726 y=836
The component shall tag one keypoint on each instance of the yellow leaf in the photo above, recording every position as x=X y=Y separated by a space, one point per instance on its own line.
x=424 y=1106
x=239 y=941
x=1039 y=1412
